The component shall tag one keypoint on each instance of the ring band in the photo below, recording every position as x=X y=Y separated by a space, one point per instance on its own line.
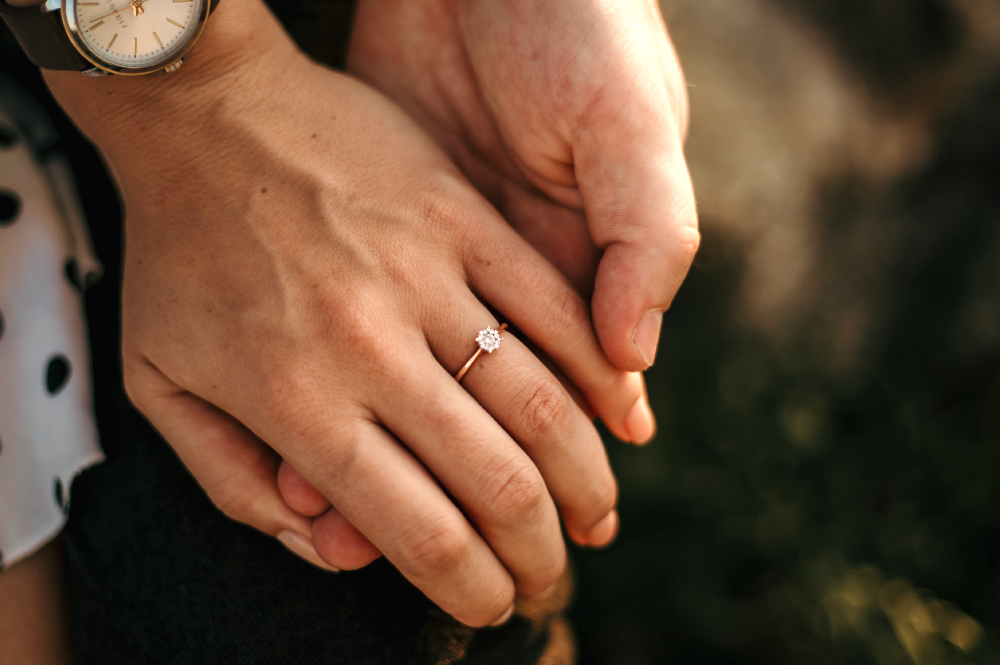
x=488 y=340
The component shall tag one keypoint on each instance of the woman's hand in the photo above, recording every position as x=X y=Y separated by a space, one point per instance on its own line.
x=305 y=268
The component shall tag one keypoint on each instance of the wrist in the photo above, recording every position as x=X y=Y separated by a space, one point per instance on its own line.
x=241 y=45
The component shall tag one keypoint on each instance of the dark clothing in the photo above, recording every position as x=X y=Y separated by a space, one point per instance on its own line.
x=157 y=574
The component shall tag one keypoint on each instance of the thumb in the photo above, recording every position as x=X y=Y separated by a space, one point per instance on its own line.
x=336 y=540
x=640 y=209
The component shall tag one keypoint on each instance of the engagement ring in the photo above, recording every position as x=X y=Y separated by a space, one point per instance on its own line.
x=488 y=340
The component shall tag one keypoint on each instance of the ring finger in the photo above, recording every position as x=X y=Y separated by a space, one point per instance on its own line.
x=489 y=476
x=534 y=408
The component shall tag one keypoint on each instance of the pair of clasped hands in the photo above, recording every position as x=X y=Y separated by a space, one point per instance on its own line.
x=310 y=255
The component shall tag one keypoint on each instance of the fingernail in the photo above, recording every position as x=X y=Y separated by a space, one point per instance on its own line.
x=603 y=532
x=505 y=618
x=640 y=422
x=647 y=335
x=303 y=547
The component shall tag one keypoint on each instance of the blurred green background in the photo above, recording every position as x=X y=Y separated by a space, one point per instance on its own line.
x=824 y=484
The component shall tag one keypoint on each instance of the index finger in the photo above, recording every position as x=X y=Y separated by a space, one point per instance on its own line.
x=640 y=207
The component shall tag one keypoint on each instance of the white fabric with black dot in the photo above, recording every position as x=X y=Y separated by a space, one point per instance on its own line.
x=47 y=429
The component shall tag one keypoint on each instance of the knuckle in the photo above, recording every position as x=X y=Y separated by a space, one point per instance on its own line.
x=483 y=609
x=546 y=578
x=689 y=242
x=566 y=310
x=358 y=326
x=440 y=207
x=546 y=411
x=516 y=492
x=350 y=320
x=436 y=552
x=604 y=497
x=488 y=607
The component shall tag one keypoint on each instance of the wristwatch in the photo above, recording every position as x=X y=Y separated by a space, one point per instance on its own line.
x=102 y=37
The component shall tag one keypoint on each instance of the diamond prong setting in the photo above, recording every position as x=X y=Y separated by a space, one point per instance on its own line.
x=488 y=339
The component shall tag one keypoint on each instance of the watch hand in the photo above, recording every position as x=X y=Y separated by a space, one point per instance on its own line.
x=128 y=6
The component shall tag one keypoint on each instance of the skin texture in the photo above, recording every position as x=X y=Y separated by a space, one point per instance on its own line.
x=569 y=116
x=304 y=271
x=33 y=622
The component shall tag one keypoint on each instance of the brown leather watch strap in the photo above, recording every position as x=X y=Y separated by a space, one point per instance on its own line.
x=43 y=37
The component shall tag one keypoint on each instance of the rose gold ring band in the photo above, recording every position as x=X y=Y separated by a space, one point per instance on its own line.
x=488 y=341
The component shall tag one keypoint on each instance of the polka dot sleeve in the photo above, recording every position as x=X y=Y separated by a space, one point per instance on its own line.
x=47 y=430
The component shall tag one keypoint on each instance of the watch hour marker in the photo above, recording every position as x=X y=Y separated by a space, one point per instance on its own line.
x=96 y=25
x=89 y=4
x=135 y=45
x=112 y=42
x=157 y=40
x=175 y=22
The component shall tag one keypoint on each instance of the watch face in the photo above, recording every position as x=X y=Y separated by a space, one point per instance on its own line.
x=134 y=36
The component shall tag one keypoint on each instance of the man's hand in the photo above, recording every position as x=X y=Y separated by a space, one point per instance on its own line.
x=305 y=268
x=570 y=116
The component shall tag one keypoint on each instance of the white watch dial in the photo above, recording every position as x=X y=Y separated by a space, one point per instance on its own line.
x=136 y=33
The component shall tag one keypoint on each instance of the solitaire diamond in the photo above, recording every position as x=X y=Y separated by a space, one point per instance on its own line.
x=488 y=339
